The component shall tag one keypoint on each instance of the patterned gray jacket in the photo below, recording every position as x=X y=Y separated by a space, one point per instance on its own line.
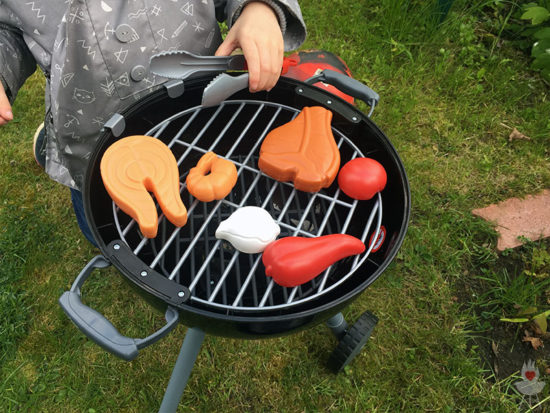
x=95 y=55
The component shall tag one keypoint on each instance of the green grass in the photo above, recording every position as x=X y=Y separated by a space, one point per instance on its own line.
x=444 y=98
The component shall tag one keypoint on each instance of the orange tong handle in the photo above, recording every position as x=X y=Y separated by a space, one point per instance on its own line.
x=136 y=165
x=212 y=178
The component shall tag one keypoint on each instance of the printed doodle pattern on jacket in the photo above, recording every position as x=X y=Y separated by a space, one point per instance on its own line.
x=95 y=55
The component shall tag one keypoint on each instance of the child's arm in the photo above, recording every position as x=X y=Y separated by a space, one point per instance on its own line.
x=258 y=31
x=16 y=65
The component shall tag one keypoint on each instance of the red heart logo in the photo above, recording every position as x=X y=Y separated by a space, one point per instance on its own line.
x=529 y=375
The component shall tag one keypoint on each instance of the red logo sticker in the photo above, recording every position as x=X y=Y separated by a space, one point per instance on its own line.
x=380 y=240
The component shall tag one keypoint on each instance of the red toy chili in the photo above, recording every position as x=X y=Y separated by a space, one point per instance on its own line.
x=293 y=261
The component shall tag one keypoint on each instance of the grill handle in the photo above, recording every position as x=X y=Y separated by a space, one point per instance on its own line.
x=97 y=328
x=347 y=85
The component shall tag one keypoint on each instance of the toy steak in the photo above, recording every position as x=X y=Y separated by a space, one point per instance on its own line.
x=302 y=151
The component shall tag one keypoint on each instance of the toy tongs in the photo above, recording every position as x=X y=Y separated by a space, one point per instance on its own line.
x=181 y=64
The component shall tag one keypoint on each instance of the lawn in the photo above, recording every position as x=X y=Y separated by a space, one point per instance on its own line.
x=450 y=93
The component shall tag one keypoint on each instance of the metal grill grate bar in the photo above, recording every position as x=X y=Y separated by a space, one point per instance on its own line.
x=298 y=227
x=227 y=126
x=173 y=236
x=162 y=127
x=252 y=271
x=253 y=187
x=165 y=248
x=322 y=228
x=223 y=277
x=319 y=232
x=218 y=242
x=243 y=202
x=377 y=207
x=199 y=135
x=245 y=130
x=207 y=221
x=183 y=128
x=374 y=211
x=257 y=260
x=190 y=147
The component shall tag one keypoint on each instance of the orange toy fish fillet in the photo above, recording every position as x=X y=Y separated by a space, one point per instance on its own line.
x=303 y=151
x=135 y=165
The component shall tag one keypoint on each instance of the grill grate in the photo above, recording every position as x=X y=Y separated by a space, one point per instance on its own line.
x=216 y=274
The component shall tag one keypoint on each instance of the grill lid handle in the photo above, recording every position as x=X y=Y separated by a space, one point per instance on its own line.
x=96 y=326
x=347 y=85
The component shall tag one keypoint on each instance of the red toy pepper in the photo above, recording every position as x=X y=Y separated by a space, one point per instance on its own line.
x=293 y=261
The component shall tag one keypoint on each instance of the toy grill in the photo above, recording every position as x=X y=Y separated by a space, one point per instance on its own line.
x=204 y=282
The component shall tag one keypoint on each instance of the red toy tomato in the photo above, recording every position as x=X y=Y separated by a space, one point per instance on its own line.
x=293 y=261
x=362 y=178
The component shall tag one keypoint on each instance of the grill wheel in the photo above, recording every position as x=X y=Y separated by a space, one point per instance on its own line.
x=352 y=342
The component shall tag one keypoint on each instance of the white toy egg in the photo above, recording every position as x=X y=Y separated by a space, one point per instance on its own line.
x=249 y=229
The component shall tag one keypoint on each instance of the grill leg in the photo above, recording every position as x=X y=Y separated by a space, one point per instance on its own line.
x=182 y=370
x=337 y=325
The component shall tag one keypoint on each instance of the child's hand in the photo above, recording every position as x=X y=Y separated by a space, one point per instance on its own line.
x=5 y=108
x=258 y=34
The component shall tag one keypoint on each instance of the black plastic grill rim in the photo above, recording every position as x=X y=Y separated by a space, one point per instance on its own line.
x=316 y=310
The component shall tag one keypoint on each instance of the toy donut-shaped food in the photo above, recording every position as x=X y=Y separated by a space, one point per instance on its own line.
x=212 y=178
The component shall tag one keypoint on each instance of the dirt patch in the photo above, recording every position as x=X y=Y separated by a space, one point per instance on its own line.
x=505 y=351
x=504 y=346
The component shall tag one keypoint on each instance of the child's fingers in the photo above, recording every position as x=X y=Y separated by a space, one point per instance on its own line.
x=227 y=46
x=6 y=115
x=5 y=108
x=276 y=67
x=252 y=56
x=265 y=61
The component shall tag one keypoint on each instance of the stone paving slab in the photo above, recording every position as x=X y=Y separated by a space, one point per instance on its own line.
x=515 y=217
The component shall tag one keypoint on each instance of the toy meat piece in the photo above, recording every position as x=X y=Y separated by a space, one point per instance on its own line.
x=135 y=165
x=362 y=178
x=249 y=229
x=293 y=261
x=302 y=151
x=212 y=178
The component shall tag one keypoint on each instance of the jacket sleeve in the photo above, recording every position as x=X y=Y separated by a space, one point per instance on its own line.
x=16 y=60
x=288 y=12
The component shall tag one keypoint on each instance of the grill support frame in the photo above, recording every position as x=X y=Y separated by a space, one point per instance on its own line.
x=182 y=370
